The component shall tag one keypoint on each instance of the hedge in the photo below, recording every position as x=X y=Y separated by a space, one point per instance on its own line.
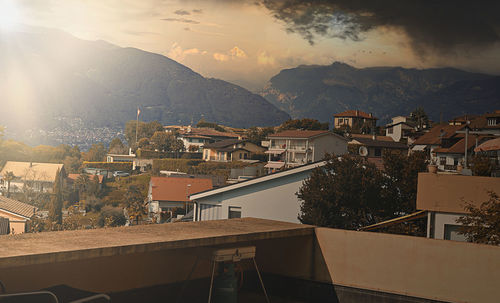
x=111 y=166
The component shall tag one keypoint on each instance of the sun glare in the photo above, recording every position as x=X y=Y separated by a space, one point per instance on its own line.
x=9 y=14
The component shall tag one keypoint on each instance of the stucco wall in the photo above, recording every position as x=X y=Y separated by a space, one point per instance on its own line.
x=328 y=144
x=426 y=268
x=274 y=200
x=15 y=222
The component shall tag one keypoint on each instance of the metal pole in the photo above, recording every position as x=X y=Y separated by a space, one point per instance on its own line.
x=211 y=283
x=260 y=278
x=466 y=143
x=137 y=125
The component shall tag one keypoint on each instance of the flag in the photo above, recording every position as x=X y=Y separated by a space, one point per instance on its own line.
x=138 y=112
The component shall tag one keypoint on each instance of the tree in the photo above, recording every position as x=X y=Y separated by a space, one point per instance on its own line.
x=256 y=134
x=116 y=146
x=96 y=153
x=345 y=193
x=144 y=130
x=420 y=117
x=482 y=225
x=401 y=172
x=304 y=124
x=9 y=177
x=55 y=208
x=134 y=202
x=82 y=184
x=482 y=166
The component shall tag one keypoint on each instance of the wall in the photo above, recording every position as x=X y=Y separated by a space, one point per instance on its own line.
x=433 y=269
x=274 y=199
x=328 y=144
x=15 y=222
x=440 y=219
x=448 y=193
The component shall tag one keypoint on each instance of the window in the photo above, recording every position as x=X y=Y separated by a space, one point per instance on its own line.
x=492 y=121
x=245 y=156
x=451 y=233
x=234 y=212
x=390 y=130
x=340 y=121
x=241 y=155
x=378 y=152
x=442 y=160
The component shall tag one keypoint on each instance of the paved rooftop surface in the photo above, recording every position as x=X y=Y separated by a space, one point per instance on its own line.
x=39 y=248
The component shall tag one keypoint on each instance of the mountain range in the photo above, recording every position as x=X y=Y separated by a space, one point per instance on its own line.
x=320 y=91
x=48 y=76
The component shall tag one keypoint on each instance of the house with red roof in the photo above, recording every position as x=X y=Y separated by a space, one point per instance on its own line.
x=168 y=193
x=355 y=120
x=291 y=148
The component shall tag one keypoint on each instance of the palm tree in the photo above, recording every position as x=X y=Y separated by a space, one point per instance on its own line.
x=82 y=184
x=9 y=176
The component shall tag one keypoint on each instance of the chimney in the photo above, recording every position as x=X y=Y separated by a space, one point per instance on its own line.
x=371 y=116
x=357 y=113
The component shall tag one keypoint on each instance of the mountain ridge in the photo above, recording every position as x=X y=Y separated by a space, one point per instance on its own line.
x=320 y=91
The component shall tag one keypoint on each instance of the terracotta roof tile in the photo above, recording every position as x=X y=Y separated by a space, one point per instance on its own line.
x=176 y=189
x=434 y=136
x=355 y=113
x=17 y=207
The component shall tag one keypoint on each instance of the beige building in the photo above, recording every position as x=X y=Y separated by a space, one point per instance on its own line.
x=39 y=176
x=293 y=148
x=444 y=197
x=18 y=214
x=355 y=120
x=230 y=150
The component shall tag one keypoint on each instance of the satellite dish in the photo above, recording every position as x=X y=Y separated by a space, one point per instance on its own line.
x=363 y=151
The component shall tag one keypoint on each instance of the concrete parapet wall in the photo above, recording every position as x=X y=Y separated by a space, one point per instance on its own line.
x=426 y=268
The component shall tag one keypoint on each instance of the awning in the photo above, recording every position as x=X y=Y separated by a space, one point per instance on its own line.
x=493 y=144
x=415 y=215
x=275 y=165
x=419 y=147
x=275 y=151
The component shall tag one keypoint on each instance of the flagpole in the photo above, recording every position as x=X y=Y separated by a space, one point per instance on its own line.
x=137 y=125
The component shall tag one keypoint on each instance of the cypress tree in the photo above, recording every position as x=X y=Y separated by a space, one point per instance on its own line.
x=55 y=209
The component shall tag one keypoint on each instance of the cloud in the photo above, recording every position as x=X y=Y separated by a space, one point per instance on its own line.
x=263 y=58
x=237 y=52
x=178 y=54
x=183 y=20
x=182 y=12
x=220 y=57
x=197 y=11
x=436 y=26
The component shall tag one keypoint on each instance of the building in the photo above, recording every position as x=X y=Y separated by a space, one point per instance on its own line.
x=356 y=121
x=168 y=193
x=230 y=150
x=401 y=129
x=18 y=214
x=374 y=146
x=268 y=197
x=40 y=177
x=195 y=138
x=444 y=197
x=291 y=148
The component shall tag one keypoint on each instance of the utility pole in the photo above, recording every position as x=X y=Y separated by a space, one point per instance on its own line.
x=137 y=124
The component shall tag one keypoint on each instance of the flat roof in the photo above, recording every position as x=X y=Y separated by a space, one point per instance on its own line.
x=61 y=246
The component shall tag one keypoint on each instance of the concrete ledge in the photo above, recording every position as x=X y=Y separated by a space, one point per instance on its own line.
x=50 y=247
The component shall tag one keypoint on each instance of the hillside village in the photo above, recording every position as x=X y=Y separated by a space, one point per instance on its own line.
x=178 y=173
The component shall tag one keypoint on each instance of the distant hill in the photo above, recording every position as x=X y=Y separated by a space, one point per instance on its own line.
x=47 y=76
x=320 y=91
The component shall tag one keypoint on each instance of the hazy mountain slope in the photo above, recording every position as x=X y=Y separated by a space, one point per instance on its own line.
x=47 y=74
x=320 y=91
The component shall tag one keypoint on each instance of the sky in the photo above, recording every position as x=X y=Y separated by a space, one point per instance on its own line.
x=247 y=42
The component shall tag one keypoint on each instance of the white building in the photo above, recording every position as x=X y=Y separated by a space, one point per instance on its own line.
x=400 y=128
x=268 y=197
x=292 y=148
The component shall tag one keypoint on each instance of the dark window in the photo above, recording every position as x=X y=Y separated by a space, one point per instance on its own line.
x=234 y=212
x=378 y=152
x=390 y=130
x=442 y=160
x=245 y=156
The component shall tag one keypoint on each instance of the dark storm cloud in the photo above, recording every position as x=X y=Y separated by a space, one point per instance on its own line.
x=439 y=26
x=182 y=12
x=182 y=20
